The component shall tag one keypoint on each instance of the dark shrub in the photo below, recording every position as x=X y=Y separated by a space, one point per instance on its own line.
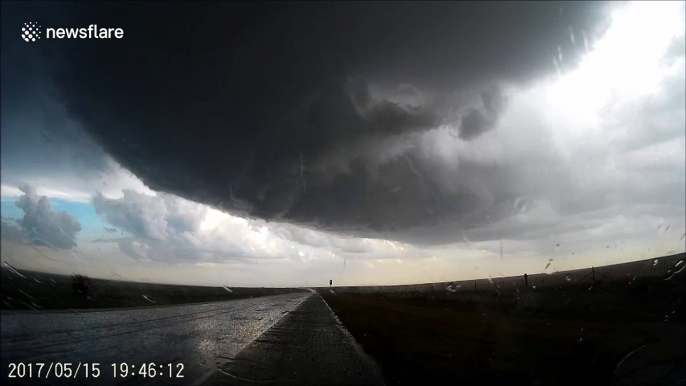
x=81 y=284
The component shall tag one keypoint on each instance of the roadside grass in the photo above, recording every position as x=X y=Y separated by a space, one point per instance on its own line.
x=527 y=337
x=43 y=291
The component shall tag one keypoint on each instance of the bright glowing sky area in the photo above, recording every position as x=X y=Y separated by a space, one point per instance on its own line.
x=414 y=147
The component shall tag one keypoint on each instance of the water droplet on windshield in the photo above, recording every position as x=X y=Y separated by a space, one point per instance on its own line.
x=557 y=67
x=568 y=277
x=655 y=262
x=677 y=268
x=13 y=270
x=583 y=35
x=27 y=295
x=228 y=289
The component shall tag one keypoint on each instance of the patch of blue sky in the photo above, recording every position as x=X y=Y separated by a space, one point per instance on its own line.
x=9 y=209
x=92 y=224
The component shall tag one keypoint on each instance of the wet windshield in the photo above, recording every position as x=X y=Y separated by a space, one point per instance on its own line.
x=335 y=193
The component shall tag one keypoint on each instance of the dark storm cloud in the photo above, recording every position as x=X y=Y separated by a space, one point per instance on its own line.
x=112 y=230
x=10 y=230
x=474 y=123
x=477 y=121
x=38 y=135
x=43 y=225
x=298 y=111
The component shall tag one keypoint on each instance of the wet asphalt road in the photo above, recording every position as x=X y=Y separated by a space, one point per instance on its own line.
x=202 y=337
x=309 y=346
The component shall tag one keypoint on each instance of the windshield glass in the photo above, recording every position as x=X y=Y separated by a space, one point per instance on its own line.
x=470 y=191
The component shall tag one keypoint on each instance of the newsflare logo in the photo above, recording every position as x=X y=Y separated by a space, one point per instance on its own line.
x=32 y=31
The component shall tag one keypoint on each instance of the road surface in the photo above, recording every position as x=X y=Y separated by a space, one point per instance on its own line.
x=208 y=339
x=307 y=347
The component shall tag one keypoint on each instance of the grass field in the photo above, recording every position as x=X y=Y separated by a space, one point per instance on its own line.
x=26 y=290
x=608 y=332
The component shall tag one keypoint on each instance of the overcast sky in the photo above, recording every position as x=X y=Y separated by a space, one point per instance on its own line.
x=368 y=143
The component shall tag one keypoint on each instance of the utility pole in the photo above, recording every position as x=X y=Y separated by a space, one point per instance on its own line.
x=526 y=281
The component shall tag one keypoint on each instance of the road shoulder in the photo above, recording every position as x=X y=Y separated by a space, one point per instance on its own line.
x=307 y=347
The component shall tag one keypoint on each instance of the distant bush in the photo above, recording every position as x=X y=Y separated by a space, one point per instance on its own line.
x=81 y=284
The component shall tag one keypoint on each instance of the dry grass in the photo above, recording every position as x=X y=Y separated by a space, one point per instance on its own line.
x=423 y=341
